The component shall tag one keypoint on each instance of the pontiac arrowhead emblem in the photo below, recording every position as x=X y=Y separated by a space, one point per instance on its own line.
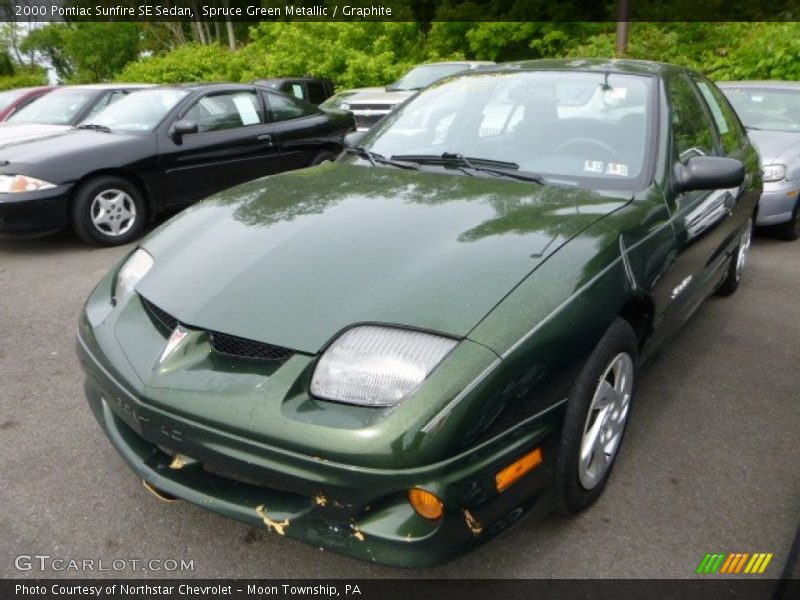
x=174 y=341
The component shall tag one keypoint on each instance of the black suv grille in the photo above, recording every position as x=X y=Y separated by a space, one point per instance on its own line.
x=223 y=343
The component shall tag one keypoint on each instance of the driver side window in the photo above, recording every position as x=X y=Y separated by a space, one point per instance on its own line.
x=227 y=110
x=692 y=133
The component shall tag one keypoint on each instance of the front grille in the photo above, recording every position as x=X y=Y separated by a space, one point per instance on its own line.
x=162 y=316
x=365 y=121
x=224 y=343
x=232 y=345
x=383 y=107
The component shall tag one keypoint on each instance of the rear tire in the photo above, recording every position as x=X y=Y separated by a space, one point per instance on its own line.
x=597 y=413
x=736 y=266
x=108 y=211
x=790 y=230
x=322 y=157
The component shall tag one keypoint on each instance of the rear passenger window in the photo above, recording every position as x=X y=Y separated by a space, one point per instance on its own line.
x=316 y=92
x=228 y=110
x=730 y=132
x=284 y=108
x=107 y=100
x=692 y=134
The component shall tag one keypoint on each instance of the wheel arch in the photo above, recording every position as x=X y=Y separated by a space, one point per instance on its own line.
x=126 y=174
x=639 y=311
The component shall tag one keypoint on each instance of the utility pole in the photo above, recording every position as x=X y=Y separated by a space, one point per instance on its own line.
x=623 y=25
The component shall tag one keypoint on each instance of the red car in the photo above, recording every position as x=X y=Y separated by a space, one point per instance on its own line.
x=12 y=100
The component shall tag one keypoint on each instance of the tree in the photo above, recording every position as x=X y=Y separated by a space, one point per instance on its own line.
x=85 y=52
x=6 y=64
x=101 y=50
x=48 y=43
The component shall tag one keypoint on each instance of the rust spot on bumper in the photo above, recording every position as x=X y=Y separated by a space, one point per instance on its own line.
x=474 y=525
x=162 y=496
x=178 y=462
x=278 y=526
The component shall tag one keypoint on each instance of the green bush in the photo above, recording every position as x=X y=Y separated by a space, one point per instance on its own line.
x=376 y=53
x=185 y=64
x=24 y=78
x=351 y=54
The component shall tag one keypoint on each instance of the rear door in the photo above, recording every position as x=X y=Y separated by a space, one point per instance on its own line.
x=302 y=129
x=234 y=144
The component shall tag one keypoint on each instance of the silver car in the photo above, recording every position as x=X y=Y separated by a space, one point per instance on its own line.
x=370 y=105
x=770 y=110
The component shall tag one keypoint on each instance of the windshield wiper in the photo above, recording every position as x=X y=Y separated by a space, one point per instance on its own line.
x=501 y=168
x=374 y=157
x=95 y=127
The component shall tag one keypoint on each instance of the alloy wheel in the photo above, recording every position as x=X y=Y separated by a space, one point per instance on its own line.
x=113 y=212
x=605 y=421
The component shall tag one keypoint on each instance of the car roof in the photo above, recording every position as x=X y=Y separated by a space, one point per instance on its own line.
x=29 y=90
x=606 y=65
x=772 y=84
x=209 y=86
x=468 y=63
x=105 y=86
x=281 y=79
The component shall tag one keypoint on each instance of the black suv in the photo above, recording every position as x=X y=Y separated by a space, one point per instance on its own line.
x=312 y=90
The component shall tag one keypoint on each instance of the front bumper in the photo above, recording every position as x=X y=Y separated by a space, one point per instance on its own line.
x=777 y=202
x=359 y=511
x=32 y=213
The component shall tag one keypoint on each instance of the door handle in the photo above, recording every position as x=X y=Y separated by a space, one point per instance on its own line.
x=265 y=138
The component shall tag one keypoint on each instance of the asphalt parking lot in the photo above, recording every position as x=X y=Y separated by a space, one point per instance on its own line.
x=710 y=462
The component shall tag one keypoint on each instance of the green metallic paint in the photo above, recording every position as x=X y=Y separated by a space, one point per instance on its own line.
x=527 y=277
x=417 y=249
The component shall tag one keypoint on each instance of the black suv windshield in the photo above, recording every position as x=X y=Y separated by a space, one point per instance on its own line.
x=424 y=75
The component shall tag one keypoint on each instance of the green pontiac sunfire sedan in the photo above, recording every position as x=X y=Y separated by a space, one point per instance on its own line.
x=399 y=354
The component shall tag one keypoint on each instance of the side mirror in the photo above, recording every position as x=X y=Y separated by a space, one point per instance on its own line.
x=182 y=128
x=709 y=173
x=353 y=139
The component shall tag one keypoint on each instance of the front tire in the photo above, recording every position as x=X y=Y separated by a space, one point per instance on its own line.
x=321 y=157
x=790 y=230
x=738 y=260
x=597 y=413
x=108 y=211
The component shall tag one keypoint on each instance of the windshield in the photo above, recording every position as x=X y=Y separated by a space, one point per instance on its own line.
x=422 y=76
x=59 y=107
x=137 y=112
x=579 y=128
x=764 y=108
x=6 y=98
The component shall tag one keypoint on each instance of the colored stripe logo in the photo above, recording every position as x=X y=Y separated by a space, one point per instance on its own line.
x=734 y=563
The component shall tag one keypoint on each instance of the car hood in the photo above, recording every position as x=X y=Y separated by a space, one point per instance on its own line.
x=15 y=133
x=773 y=145
x=382 y=96
x=293 y=259
x=56 y=144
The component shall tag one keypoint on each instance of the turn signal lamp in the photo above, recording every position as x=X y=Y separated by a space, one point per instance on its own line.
x=517 y=469
x=426 y=504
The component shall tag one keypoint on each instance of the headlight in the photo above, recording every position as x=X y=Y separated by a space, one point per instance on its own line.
x=12 y=184
x=774 y=172
x=136 y=267
x=377 y=366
